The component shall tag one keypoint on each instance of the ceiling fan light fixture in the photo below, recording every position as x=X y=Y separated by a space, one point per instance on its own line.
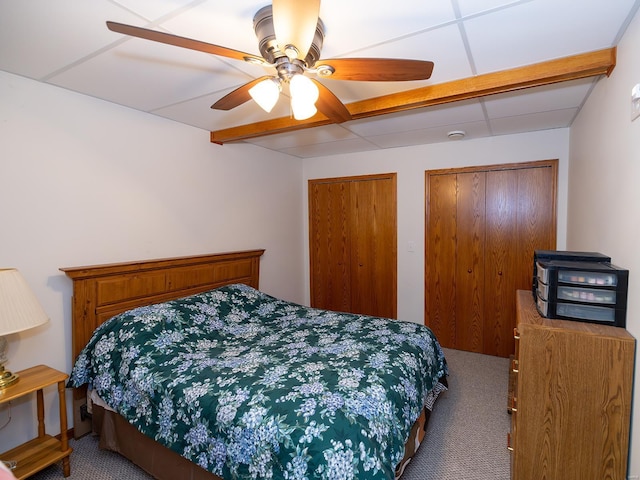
x=302 y=109
x=304 y=94
x=266 y=93
x=300 y=30
x=303 y=89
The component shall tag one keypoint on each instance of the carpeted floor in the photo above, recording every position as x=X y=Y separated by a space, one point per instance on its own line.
x=467 y=433
x=466 y=438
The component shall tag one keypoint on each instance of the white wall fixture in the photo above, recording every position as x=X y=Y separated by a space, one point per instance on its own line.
x=635 y=102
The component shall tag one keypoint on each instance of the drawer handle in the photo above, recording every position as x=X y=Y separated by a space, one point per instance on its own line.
x=516 y=334
x=515 y=366
x=509 y=446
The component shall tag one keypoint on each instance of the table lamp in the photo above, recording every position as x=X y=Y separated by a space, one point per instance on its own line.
x=19 y=310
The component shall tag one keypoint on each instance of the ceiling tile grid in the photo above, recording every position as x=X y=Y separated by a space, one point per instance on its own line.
x=66 y=43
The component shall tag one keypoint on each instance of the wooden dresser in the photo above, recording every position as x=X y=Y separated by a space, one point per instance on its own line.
x=571 y=398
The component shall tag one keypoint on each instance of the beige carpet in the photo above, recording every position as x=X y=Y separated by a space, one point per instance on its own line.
x=466 y=438
x=467 y=433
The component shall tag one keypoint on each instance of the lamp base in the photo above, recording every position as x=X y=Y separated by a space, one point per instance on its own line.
x=7 y=378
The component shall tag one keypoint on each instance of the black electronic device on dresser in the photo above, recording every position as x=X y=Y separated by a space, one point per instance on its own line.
x=585 y=291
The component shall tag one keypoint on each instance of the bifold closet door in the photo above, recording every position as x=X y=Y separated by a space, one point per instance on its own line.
x=482 y=227
x=470 y=261
x=455 y=246
x=352 y=244
x=373 y=247
x=501 y=266
x=520 y=218
x=329 y=240
x=441 y=247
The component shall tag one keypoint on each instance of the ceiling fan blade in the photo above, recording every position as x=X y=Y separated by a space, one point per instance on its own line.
x=330 y=105
x=239 y=96
x=375 y=69
x=183 y=42
x=294 y=23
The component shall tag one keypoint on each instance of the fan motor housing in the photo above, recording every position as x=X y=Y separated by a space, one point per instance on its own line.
x=268 y=46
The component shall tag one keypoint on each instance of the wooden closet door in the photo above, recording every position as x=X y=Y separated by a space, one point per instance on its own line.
x=353 y=244
x=373 y=247
x=455 y=278
x=536 y=217
x=520 y=220
x=482 y=227
x=470 y=261
x=501 y=269
x=329 y=240
x=441 y=246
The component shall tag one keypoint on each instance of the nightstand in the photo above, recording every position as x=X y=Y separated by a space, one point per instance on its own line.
x=43 y=450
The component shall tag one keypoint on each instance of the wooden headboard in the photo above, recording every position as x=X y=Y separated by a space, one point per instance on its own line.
x=102 y=291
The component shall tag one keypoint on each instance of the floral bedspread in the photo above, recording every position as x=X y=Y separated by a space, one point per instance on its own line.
x=249 y=386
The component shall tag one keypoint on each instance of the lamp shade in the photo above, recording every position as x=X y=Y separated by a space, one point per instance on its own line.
x=266 y=93
x=19 y=307
x=302 y=109
x=304 y=94
x=303 y=89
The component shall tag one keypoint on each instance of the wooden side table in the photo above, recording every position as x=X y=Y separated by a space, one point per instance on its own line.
x=44 y=450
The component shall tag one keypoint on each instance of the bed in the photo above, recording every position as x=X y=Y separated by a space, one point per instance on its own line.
x=195 y=373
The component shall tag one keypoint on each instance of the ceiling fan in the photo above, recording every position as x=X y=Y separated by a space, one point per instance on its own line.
x=290 y=36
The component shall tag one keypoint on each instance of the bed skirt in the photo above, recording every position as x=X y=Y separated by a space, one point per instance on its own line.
x=118 y=435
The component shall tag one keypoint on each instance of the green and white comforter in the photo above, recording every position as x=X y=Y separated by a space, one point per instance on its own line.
x=249 y=386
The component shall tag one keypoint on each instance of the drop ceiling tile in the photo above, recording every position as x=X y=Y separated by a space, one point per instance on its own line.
x=311 y=136
x=331 y=148
x=198 y=112
x=355 y=25
x=153 y=9
x=38 y=37
x=424 y=118
x=148 y=75
x=228 y=24
x=533 y=122
x=528 y=33
x=476 y=7
x=429 y=135
x=443 y=46
x=549 y=97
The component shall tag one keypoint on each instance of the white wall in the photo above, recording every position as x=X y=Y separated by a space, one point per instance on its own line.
x=604 y=192
x=410 y=163
x=86 y=182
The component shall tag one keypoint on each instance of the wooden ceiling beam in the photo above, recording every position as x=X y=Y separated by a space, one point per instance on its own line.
x=600 y=62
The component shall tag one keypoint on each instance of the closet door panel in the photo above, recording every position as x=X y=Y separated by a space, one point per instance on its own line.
x=440 y=295
x=373 y=247
x=501 y=261
x=536 y=218
x=470 y=235
x=329 y=204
